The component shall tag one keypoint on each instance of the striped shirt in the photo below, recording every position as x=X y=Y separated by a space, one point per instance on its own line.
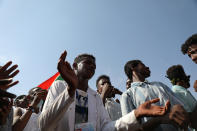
x=141 y=92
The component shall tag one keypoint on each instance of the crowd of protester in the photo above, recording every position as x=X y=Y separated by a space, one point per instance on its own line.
x=71 y=105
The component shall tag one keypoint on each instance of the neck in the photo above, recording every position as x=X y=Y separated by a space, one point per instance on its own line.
x=181 y=84
x=82 y=84
x=138 y=78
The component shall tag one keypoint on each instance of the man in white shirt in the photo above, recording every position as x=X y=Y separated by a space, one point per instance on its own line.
x=60 y=111
x=107 y=93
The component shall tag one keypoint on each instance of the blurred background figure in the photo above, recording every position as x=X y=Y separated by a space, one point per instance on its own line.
x=26 y=118
x=107 y=93
x=21 y=101
x=7 y=73
x=181 y=83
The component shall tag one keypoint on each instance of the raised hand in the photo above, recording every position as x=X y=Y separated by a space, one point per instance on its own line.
x=116 y=91
x=147 y=109
x=6 y=75
x=67 y=73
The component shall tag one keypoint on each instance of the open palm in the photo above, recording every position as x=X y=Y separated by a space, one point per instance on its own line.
x=148 y=109
x=6 y=75
x=67 y=72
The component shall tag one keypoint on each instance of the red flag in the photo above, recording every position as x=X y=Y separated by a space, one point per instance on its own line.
x=45 y=85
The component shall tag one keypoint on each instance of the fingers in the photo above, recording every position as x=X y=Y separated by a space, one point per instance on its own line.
x=11 y=69
x=167 y=106
x=3 y=68
x=68 y=65
x=63 y=56
x=12 y=84
x=154 y=100
x=14 y=73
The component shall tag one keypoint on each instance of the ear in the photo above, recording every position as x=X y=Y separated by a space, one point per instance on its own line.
x=75 y=66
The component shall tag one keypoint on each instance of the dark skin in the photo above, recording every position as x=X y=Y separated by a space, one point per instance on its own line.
x=20 y=120
x=5 y=110
x=168 y=118
x=192 y=52
x=106 y=89
x=83 y=71
x=128 y=84
x=23 y=102
x=78 y=77
x=7 y=73
x=140 y=73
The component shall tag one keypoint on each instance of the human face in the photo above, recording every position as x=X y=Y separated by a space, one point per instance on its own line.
x=102 y=84
x=86 y=68
x=143 y=70
x=33 y=94
x=192 y=52
x=23 y=102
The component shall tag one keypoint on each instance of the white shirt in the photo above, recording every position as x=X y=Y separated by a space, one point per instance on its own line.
x=59 y=112
x=113 y=108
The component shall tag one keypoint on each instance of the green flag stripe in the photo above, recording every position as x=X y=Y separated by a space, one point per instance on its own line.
x=59 y=78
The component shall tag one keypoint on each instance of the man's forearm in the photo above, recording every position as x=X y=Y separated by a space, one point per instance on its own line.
x=20 y=124
x=54 y=112
x=150 y=124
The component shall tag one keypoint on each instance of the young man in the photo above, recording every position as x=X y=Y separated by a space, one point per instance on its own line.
x=180 y=82
x=142 y=91
x=190 y=47
x=21 y=101
x=107 y=93
x=26 y=118
x=72 y=105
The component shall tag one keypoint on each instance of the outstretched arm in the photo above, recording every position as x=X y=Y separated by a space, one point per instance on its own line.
x=60 y=96
x=129 y=121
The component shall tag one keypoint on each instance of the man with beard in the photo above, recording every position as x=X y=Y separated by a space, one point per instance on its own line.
x=107 y=93
x=73 y=106
x=180 y=82
x=142 y=91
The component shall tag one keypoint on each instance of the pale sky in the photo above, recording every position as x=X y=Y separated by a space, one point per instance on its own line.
x=33 y=33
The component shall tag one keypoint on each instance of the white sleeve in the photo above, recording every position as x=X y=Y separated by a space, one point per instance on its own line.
x=125 y=123
x=56 y=104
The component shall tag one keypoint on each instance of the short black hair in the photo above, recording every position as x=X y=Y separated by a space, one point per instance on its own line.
x=128 y=65
x=18 y=98
x=101 y=77
x=31 y=90
x=190 y=41
x=175 y=74
x=80 y=57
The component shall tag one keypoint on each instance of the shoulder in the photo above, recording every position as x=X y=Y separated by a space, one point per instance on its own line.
x=127 y=93
x=58 y=86
x=159 y=84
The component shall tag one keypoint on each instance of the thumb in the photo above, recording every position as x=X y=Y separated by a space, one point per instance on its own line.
x=154 y=100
